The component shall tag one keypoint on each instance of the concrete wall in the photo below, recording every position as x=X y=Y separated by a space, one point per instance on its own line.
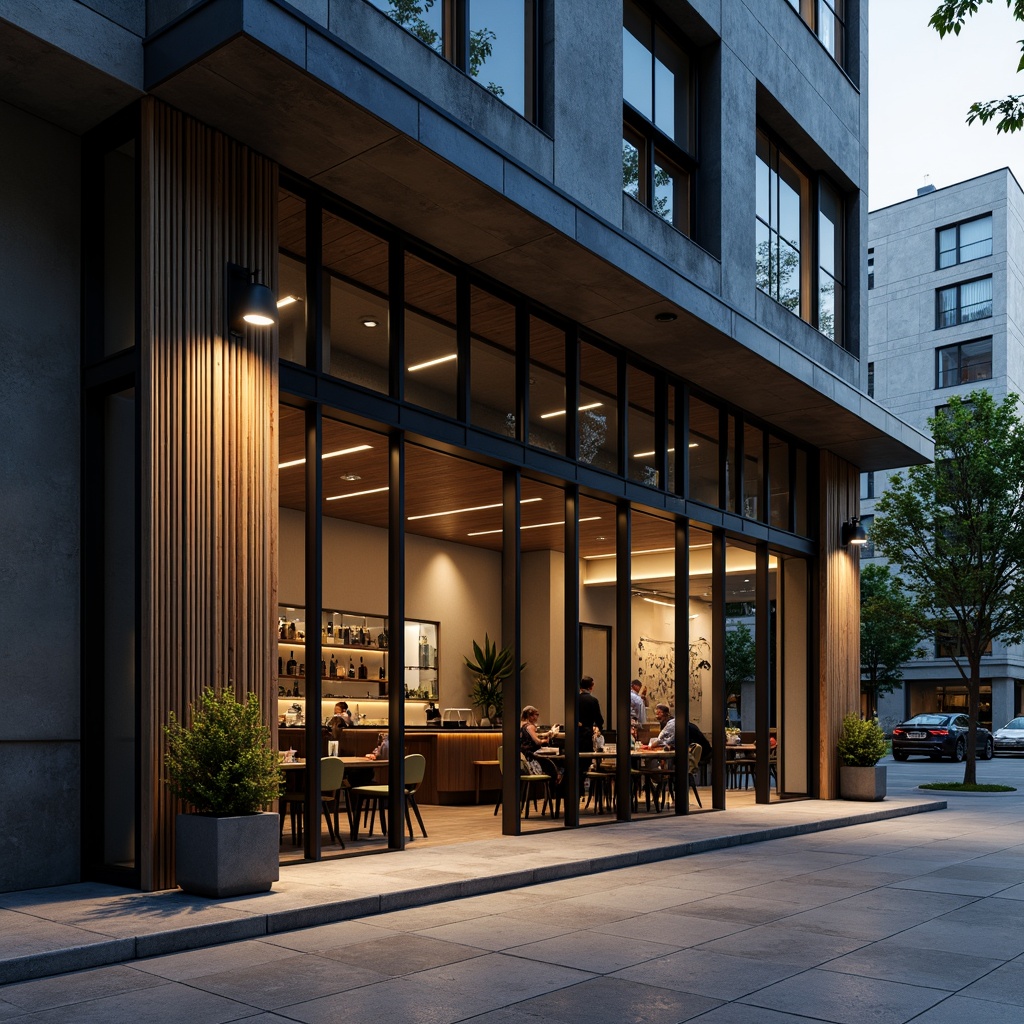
x=39 y=504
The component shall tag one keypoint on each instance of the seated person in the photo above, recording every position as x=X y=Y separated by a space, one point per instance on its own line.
x=530 y=742
x=666 y=739
x=694 y=735
x=364 y=776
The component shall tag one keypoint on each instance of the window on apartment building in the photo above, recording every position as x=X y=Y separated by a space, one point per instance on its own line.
x=826 y=19
x=964 y=302
x=658 y=131
x=960 y=243
x=948 y=645
x=871 y=269
x=868 y=550
x=786 y=236
x=867 y=485
x=871 y=380
x=963 y=363
x=492 y=41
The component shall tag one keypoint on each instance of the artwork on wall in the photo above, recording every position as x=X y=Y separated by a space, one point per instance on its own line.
x=656 y=661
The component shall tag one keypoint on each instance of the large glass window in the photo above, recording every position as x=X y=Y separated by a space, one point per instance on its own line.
x=961 y=364
x=431 y=350
x=492 y=393
x=598 y=409
x=658 y=138
x=547 y=386
x=642 y=464
x=355 y=288
x=703 y=452
x=492 y=41
x=962 y=303
x=787 y=234
x=782 y=192
x=960 y=243
x=292 y=301
x=779 y=483
x=826 y=19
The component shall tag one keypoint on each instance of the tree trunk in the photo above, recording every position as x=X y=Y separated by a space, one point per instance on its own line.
x=973 y=702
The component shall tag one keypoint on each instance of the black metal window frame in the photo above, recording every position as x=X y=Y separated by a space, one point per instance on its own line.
x=457 y=41
x=670 y=486
x=959 y=307
x=657 y=150
x=956 y=250
x=809 y=12
x=952 y=376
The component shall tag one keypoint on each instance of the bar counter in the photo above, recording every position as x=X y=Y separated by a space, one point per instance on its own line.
x=451 y=775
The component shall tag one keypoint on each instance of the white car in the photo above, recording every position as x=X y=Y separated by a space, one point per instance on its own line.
x=1010 y=739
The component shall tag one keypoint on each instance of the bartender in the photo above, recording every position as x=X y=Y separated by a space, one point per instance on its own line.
x=433 y=714
x=341 y=719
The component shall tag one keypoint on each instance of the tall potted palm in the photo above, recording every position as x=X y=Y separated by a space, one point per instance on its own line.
x=490 y=668
x=223 y=769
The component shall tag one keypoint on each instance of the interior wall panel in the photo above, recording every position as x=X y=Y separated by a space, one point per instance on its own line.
x=209 y=443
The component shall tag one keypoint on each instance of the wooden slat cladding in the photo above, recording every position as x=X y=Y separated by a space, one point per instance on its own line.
x=839 y=618
x=209 y=443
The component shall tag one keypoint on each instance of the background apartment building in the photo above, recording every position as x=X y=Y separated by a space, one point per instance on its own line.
x=946 y=317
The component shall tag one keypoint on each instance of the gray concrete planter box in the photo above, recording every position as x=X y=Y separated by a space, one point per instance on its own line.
x=227 y=856
x=862 y=783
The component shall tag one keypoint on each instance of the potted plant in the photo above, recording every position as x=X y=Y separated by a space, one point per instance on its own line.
x=861 y=746
x=222 y=767
x=490 y=668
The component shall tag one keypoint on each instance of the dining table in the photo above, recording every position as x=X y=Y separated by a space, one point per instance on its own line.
x=379 y=767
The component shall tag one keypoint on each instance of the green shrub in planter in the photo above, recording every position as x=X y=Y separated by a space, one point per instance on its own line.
x=222 y=764
x=861 y=743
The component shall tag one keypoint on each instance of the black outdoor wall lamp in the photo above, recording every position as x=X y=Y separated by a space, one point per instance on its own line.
x=853 y=533
x=248 y=301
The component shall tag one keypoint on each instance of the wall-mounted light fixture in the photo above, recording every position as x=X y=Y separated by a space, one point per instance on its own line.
x=853 y=533
x=248 y=301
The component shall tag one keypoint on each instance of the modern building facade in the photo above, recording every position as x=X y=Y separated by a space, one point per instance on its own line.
x=946 y=318
x=570 y=306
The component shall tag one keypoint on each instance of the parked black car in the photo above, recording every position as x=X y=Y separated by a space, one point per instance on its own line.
x=938 y=736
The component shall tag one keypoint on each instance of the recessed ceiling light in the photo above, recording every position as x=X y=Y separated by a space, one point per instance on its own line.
x=665 y=317
x=369 y=321
x=355 y=494
x=327 y=455
x=533 y=526
x=474 y=508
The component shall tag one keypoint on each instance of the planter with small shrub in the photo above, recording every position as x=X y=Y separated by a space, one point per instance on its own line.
x=861 y=746
x=222 y=767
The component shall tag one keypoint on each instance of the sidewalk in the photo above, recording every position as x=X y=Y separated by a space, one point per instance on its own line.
x=53 y=931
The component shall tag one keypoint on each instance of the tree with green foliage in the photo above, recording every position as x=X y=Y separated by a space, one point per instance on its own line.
x=889 y=633
x=949 y=17
x=740 y=658
x=955 y=531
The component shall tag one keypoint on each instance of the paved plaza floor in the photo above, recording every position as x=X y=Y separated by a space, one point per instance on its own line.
x=843 y=916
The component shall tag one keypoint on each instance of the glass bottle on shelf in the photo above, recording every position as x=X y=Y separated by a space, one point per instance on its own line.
x=382 y=672
x=329 y=628
x=351 y=669
x=280 y=665
x=362 y=669
x=333 y=670
x=291 y=630
x=292 y=664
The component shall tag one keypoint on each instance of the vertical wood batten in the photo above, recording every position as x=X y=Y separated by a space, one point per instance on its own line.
x=839 y=619
x=208 y=443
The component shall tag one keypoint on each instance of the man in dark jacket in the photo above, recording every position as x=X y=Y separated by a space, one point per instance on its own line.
x=590 y=716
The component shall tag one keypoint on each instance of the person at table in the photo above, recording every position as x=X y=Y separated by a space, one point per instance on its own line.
x=694 y=735
x=530 y=741
x=666 y=739
x=637 y=704
x=364 y=776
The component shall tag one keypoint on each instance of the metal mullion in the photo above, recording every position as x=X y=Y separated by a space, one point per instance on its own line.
x=313 y=590
x=622 y=401
x=511 y=633
x=572 y=391
x=396 y=320
x=623 y=655
x=396 y=640
x=317 y=294
x=718 y=668
x=522 y=358
x=762 y=651
x=682 y=481
x=661 y=440
x=681 y=639
x=572 y=664
x=723 y=457
x=463 y=347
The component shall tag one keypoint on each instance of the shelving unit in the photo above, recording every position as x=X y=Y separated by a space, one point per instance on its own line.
x=355 y=645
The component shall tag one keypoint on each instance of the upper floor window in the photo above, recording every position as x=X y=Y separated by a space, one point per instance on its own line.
x=871 y=380
x=871 y=269
x=961 y=303
x=658 y=132
x=492 y=41
x=789 y=231
x=963 y=363
x=968 y=240
x=826 y=18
